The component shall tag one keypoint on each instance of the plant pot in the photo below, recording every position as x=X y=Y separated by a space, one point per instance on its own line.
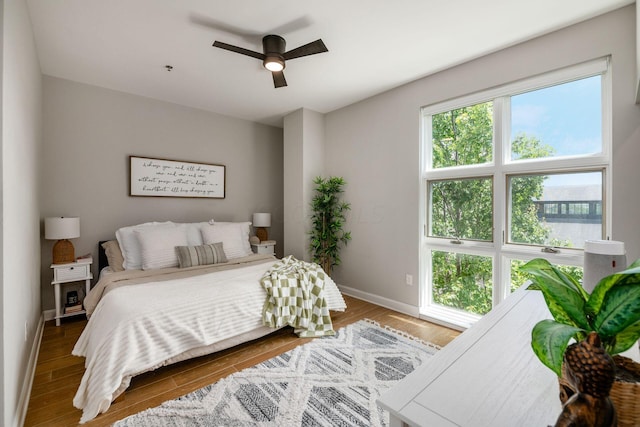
x=625 y=393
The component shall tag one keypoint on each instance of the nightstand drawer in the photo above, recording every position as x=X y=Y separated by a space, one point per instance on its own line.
x=266 y=247
x=72 y=272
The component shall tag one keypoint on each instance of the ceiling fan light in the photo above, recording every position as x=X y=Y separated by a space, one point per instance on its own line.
x=273 y=64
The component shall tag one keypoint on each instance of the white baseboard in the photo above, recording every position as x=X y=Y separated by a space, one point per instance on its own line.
x=49 y=314
x=401 y=307
x=25 y=394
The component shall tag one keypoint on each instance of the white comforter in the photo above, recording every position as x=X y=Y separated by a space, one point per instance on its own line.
x=138 y=328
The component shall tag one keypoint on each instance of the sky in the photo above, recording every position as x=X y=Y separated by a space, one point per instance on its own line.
x=567 y=117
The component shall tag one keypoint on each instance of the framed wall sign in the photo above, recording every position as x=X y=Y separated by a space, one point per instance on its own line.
x=175 y=178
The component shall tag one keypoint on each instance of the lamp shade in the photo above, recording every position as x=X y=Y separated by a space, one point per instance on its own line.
x=262 y=220
x=58 y=228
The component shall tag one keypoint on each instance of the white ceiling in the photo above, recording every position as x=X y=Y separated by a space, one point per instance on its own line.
x=374 y=45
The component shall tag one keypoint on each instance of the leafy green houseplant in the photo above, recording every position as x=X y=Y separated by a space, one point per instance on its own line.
x=327 y=222
x=612 y=310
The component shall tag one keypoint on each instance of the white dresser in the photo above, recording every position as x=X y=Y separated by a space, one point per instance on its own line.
x=487 y=376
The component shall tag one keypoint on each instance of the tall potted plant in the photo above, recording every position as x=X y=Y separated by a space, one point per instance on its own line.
x=327 y=222
x=612 y=310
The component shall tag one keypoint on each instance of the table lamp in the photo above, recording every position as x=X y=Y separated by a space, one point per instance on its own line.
x=261 y=221
x=62 y=229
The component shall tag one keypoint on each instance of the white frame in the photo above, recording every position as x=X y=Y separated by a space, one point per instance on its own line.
x=499 y=249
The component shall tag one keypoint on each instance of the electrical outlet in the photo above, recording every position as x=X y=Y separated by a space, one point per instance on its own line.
x=409 y=280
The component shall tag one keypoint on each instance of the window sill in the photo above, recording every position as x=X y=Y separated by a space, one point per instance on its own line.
x=449 y=317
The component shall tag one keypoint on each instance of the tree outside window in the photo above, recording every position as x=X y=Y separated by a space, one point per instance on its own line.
x=539 y=172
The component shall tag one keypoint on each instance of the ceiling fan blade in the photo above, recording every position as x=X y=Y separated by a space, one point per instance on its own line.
x=278 y=79
x=239 y=50
x=252 y=37
x=307 y=49
x=291 y=26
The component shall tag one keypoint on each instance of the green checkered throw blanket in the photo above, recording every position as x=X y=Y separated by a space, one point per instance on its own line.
x=295 y=297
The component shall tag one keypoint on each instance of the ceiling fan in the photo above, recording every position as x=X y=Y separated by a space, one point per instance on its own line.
x=274 y=55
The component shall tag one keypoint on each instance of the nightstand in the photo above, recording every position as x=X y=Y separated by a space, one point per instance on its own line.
x=265 y=247
x=64 y=274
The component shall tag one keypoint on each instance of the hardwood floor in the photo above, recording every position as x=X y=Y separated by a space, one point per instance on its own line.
x=58 y=373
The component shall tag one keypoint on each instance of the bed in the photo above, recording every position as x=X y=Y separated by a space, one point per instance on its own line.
x=173 y=292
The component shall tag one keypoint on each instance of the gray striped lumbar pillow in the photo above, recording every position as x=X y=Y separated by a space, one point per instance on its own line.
x=189 y=256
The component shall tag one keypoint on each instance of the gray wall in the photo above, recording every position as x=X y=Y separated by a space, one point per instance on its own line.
x=375 y=146
x=89 y=132
x=303 y=161
x=21 y=144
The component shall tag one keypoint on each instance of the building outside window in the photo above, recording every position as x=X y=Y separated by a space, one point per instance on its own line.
x=511 y=174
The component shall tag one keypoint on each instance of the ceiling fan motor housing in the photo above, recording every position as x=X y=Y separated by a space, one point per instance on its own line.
x=273 y=54
x=273 y=47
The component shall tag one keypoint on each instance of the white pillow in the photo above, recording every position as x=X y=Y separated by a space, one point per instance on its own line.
x=158 y=246
x=245 y=230
x=193 y=232
x=233 y=235
x=130 y=246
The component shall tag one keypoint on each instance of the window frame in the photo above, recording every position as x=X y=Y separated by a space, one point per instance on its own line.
x=499 y=169
x=507 y=234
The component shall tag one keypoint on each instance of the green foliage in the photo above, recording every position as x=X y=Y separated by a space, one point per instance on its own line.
x=327 y=222
x=463 y=208
x=464 y=281
x=526 y=227
x=463 y=136
x=548 y=335
x=519 y=277
x=612 y=310
x=527 y=147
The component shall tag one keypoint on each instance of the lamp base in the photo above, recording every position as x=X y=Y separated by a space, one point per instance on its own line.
x=63 y=252
x=262 y=234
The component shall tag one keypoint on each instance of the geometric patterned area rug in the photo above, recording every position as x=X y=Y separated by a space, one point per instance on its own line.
x=330 y=381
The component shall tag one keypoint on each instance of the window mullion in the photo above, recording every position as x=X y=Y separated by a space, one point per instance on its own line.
x=607 y=135
x=501 y=146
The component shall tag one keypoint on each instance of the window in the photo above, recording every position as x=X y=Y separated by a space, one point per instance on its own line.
x=458 y=204
x=463 y=136
x=509 y=175
x=564 y=220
